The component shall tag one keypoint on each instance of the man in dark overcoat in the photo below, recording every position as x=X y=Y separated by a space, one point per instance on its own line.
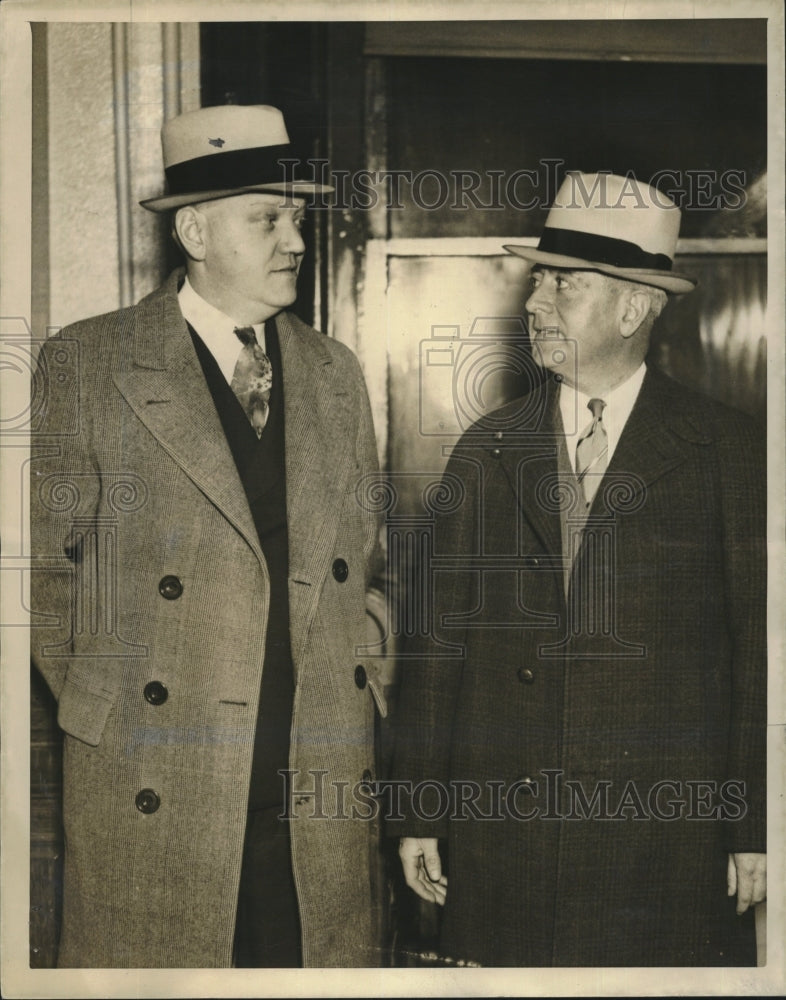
x=590 y=741
x=201 y=561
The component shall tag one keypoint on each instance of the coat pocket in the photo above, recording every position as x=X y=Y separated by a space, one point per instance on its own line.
x=85 y=703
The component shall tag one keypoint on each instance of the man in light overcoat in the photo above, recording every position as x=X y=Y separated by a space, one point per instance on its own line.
x=201 y=560
x=591 y=741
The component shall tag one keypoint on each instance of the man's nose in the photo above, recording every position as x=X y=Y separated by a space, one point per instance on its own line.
x=540 y=301
x=292 y=240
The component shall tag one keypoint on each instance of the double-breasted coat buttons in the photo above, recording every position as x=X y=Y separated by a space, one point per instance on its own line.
x=170 y=587
x=155 y=693
x=526 y=676
x=147 y=801
x=360 y=676
x=340 y=570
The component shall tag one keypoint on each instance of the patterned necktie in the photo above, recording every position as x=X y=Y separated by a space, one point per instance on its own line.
x=253 y=379
x=592 y=451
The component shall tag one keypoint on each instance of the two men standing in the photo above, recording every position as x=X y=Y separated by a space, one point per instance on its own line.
x=201 y=564
x=595 y=748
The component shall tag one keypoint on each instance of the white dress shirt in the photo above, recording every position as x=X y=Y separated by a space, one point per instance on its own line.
x=215 y=329
x=619 y=402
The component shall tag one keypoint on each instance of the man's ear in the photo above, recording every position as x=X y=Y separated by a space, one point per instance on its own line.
x=190 y=225
x=635 y=307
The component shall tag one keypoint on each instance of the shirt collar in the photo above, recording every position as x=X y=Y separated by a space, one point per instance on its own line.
x=215 y=329
x=621 y=399
x=619 y=404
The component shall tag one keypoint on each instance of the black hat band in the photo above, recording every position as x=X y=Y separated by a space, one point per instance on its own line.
x=602 y=250
x=237 y=168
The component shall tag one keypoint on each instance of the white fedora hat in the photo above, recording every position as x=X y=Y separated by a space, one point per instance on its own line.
x=226 y=150
x=615 y=225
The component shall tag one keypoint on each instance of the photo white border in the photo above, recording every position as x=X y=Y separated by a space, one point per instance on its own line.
x=16 y=978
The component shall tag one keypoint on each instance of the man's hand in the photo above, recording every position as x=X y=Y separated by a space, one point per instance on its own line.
x=423 y=868
x=747 y=876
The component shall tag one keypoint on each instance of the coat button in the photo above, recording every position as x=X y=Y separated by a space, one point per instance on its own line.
x=526 y=676
x=360 y=676
x=147 y=801
x=155 y=693
x=340 y=570
x=496 y=452
x=170 y=588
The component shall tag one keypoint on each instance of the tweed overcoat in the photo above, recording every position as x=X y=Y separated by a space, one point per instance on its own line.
x=604 y=752
x=147 y=568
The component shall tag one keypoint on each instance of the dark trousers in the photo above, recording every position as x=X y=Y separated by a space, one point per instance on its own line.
x=267 y=932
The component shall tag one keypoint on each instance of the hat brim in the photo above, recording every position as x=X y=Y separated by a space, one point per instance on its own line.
x=298 y=189
x=669 y=281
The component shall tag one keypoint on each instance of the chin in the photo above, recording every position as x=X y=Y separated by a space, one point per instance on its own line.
x=549 y=356
x=284 y=303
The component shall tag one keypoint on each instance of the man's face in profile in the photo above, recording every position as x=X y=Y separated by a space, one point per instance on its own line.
x=573 y=319
x=253 y=249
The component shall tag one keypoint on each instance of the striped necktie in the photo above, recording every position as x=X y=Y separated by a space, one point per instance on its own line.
x=253 y=379
x=592 y=451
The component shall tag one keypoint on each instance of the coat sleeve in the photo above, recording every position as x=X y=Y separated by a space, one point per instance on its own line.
x=432 y=672
x=380 y=666
x=742 y=463
x=368 y=469
x=64 y=492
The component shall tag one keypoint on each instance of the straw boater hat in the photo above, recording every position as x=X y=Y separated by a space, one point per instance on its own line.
x=226 y=150
x=615 y=225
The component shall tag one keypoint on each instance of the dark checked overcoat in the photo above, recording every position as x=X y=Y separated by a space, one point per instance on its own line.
x=148 y=568
x=650 y=676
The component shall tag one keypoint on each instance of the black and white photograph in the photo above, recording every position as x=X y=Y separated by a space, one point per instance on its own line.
x=392 y=522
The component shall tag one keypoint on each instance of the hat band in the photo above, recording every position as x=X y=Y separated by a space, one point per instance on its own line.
x=236 y=168
x=601 y=249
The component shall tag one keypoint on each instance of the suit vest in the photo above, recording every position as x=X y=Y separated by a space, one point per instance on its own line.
x=261 y=466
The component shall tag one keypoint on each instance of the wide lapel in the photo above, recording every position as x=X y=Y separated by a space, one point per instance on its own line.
x=528 y=454
x=650 y=446
x=320 y=451
x=166 y=389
